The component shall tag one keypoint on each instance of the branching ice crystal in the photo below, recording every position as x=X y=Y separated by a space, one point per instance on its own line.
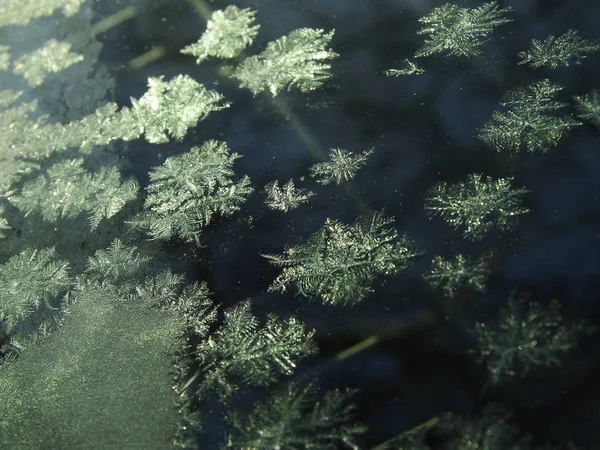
x=188 y=190
x=169 y=108
x=588 y=107
x=67 y=190
x=526 y=335
x=287 y=197
x=30 y=281
x=242 y=351
x=477 y=205
x=489 y=431
x=53 y=57
x=411 y=68
x=339 y=263
x=457 y=31
x=450 y=276
x=228 y=33
x=117 y=265
x=295 y=419
x=558 y=51
x=343 y=165
x=526 y=123
x=298 y=60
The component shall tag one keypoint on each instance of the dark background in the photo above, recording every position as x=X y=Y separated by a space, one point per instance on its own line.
x=424 y=131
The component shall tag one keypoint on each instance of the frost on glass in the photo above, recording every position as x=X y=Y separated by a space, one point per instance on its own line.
x=189 y=190
x=228 y=33
x=296 y=418
x=339 y=263
x=490 y=430
x=410 y=68
x=33 y=285
x=527 y=122
x=243 y=351
x=588 y=107
x=526 y=335
x=20 y=12
x=169 y=108
x=561 y=51
x=478 y=205
x=343 y=165
x=67 y=190
x=454 y=275
x=298 y=60
x=286 y=197
x=456 y=31
x=53 y=57
x=4 y=225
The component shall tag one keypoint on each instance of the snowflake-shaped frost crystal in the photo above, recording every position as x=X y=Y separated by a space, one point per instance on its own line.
x=298 y=60
x=228 y=32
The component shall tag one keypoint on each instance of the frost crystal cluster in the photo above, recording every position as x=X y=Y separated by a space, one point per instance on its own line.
x=300 y=60
x=342 y=165
x=558 y=51
x=340 y=262
x=228 y=33
x=170 y=108
x=456 y=31
x=526 y=335
x=287 y=197
x=528 y=123
x=295 y=418
x=477 y=205
x=188 y=190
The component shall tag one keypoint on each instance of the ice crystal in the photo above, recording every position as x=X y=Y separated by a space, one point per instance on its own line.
x=558 y=51
x=411 y=68
x=342 y=165
x=53 y=57
x=287 y=197
x=526 y=335
x=295 y=419
x=339 y=263
x=188 y=190
x=477 y=205
x=457 y=31
x=67 y=190
x=242 y=351
x=298 y=60
x=588 y=107
x=117 y=265
x=228 y=33
x=169 y=108
x=30 y=281
x=526 y=123
x=450 y=276
x=489 y=431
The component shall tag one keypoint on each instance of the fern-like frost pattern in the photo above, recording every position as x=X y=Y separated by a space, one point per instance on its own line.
x=478 y=205
x=456 y=31
x=188 y=190
x=228 y=33
x=296 y=419
x=242 y=351
x=339 y=263
x=561 y=51
x=299 y=60
x=527 y=123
